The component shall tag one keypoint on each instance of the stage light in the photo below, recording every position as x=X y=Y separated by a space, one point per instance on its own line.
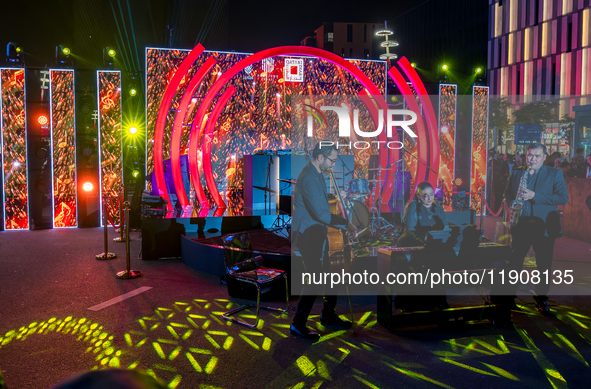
x=14 y=53
x=132 y=91
x=479 y=75
x=414 y=65
x=42 y=119
x=87 y=186
x=133 y=130
x=16 y=164
x=62 y=54
x=135 y=173
x=109 y=55
x=194 y=100
x=442 y=73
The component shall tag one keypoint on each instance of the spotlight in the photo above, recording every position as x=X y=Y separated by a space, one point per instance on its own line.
x=133 y=130
x=414 y=65
x=42 y=119
x=62 y=54
x=133 y=84
x=135 y=173
x=109 y=56
x=479 y=75
x=14 y=53
x=87 y=186
x=442 y=73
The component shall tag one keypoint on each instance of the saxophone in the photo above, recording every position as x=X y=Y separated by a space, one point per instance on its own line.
x=518 y=204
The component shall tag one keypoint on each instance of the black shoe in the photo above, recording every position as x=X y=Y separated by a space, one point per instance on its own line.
x=334 y=321
x=304 y=333
x=542 y=305
x=509 y=301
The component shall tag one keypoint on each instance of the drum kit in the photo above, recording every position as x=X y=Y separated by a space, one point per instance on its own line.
x=357 y=191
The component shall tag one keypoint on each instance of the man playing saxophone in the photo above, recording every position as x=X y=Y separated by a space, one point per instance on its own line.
x=535 y=222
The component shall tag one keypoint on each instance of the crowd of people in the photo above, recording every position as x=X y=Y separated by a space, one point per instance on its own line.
x=578 y=166
x=502 y=165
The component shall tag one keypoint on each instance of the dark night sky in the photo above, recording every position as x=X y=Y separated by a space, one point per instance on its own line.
x=275 y=23
x=40 y=25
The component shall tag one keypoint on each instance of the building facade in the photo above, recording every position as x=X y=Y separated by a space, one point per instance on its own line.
x=542 y=48
x=349 y=40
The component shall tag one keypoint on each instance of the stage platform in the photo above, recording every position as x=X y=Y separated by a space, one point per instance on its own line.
x=161 y=236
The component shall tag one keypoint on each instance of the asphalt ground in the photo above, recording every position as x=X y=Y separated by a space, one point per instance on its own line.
x=173 y=330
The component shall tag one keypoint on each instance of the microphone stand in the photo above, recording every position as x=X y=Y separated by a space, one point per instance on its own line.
x=268 y=184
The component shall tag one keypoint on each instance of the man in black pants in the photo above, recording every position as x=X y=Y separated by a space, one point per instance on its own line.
x=311 y=219
x=539 y=222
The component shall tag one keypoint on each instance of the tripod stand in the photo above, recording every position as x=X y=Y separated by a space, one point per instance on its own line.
x=377 y=221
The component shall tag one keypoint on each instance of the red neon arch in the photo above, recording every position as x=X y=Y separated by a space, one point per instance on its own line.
x=285 y=50
x=208 y=138
x=169 y=93
x=431 y=119
x=422 y=133
x=177 y=132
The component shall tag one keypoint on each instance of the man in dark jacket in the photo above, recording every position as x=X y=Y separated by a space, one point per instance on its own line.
x=309 y=228
x=539 y=222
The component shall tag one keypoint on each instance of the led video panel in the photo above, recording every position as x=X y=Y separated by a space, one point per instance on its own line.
x=479 y=142
x=14 y=149
x=447 y=132
x=63 y=148
x=258 y=117
x=110 y=137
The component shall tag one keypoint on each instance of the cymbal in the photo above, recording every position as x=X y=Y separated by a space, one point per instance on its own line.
x=265 y=189
x=293 y=182
x=383 y=168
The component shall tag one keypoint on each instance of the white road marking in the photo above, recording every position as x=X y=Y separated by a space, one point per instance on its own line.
x=118 y=299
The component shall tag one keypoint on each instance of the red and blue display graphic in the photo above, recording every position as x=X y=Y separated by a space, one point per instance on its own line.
x=447 y=134
x=63 y=146
x=256 y=118
x=14 y=149
x=479 y=142
x=110 y=137
x=216 y=107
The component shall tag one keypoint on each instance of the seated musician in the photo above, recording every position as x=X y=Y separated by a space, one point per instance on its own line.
x=422 y=214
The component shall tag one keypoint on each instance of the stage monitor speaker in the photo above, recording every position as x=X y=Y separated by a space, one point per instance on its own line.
x=461 y=217
x=285 y=204
x=240 y=223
